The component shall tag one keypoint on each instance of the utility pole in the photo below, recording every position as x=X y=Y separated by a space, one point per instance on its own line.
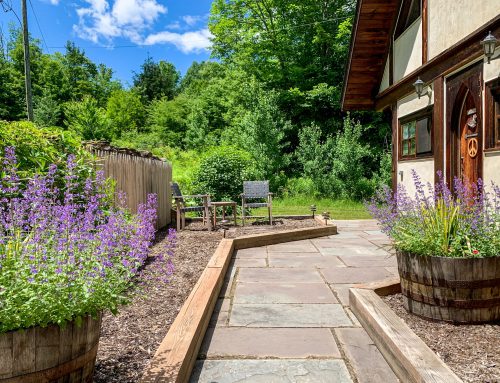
x=27 y=71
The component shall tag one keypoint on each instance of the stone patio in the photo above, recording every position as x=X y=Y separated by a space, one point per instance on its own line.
x=283 y=313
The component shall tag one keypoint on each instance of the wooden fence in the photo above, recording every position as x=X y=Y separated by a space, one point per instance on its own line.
x=137 y=174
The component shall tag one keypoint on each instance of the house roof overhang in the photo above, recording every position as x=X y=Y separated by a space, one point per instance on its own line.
x=370 y=44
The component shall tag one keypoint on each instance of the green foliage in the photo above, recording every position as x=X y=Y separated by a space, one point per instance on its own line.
x=262 y=133
x=337 y=164
x=125 y=111
x=88 y=120
x=156 y=80
x=37 y=148
x=168 y=119
x=222 y=171
x=47 y=111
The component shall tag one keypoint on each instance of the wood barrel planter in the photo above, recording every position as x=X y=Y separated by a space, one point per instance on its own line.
x=457 y=290
x=50 y=354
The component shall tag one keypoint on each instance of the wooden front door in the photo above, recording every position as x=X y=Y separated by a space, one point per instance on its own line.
x=465 y=143
x=468 y=141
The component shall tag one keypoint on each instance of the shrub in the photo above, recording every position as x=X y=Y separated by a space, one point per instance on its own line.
x=61 y=259
x=37 y=148
x=88 y=120
x=222 y=171
x=441 y=223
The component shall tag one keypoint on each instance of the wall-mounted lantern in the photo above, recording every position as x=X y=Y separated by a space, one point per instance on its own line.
x=489 y=44
x=419 y=86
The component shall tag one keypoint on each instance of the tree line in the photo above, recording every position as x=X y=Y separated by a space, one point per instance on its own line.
x=272 y=91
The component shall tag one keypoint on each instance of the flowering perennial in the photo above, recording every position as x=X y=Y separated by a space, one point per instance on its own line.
x=439 y=222
x=67 y=253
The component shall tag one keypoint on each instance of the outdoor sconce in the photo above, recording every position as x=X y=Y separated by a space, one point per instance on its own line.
x=419 y=88
x=313 y=209
x=489 y=44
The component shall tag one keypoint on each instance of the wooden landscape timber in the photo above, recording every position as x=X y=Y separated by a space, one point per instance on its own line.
x=409 y=357
x=174 y=360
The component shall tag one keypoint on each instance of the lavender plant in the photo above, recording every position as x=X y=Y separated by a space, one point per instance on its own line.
x=65 y=257
x=439 y=222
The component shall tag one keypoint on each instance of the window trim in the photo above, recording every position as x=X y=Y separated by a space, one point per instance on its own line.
x=491 y=131
x=420 y=114
x=402 y=20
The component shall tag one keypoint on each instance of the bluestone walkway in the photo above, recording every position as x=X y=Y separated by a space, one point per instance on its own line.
x=283 y=314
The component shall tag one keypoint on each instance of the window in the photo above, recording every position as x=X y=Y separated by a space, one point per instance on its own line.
x=416 y=135
x=410 y=11
x=493 y=115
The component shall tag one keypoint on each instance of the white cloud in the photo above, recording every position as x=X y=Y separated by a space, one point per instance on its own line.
x=124 y=18
x=188 y=42
x=54 y=2
x=191 y=20
x=101 y=21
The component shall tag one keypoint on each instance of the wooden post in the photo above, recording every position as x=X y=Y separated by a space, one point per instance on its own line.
x=27 y=70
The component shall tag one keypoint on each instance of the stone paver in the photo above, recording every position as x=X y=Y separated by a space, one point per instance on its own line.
x=368 y=363
x=304 y=246
x=257 y=343
x=271 y=371
x=283 y=293
x=281 y=305
x=368 y=261
x=289 y=315
x=355 y=274
x=279 y=275
x=304 y=261
x=254 y=252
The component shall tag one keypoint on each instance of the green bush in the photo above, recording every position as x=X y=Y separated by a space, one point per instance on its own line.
x=37 y=148
x=222 y=171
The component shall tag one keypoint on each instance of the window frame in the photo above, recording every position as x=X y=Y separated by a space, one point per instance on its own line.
x=416 y=116
x=492 y=116
x=402 y=23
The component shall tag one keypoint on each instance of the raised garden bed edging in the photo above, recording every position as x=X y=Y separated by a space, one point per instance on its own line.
x=409 y=357
x=175 y=357
x=47 y=354
x=457 y=290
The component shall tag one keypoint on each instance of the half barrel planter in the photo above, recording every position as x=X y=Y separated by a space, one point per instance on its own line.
x=457 y=290
x=50 y=354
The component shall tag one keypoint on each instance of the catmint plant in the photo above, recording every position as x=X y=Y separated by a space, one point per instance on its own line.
x=68 y=253
x=461 y=221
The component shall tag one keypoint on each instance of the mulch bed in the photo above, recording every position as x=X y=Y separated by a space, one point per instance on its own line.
x=471 y=351
x=129 y=340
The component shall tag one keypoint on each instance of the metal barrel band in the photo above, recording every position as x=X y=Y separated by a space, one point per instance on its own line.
x=453 y=303
x=455 y=284
x=56 y=372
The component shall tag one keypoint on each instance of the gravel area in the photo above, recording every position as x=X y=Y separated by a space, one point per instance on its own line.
x=129 y=340
x=471 y=351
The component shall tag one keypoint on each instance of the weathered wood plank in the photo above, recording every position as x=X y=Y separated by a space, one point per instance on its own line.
x=411 y=359
x=284 y=236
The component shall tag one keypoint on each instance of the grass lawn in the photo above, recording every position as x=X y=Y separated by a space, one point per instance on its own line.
x=300 y=206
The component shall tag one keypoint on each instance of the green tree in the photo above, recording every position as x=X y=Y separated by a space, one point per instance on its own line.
x=88 y=120
x=156 y=80
x=47 y=111
x=125 y=111
x=167 y=118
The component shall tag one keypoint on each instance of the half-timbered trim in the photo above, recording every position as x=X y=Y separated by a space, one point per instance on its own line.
x=492 y=115
x=448 y=61
x=438 y=127
x=425 y=31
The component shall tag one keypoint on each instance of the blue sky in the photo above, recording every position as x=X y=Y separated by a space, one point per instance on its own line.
x=121 y=33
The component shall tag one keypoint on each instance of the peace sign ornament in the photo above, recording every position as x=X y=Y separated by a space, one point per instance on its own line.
x=472 y=147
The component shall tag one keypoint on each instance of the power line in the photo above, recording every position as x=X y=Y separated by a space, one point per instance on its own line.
x=38 y=24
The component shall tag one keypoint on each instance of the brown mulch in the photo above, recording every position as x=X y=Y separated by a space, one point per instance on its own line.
x=471 y=351
x=129 y=340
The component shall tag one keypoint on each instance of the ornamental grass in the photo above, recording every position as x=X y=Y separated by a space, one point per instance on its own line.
x=65 y=251
x=462 y=221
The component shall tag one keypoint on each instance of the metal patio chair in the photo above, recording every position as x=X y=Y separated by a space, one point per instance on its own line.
x=182 y=208
x=256 y=190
